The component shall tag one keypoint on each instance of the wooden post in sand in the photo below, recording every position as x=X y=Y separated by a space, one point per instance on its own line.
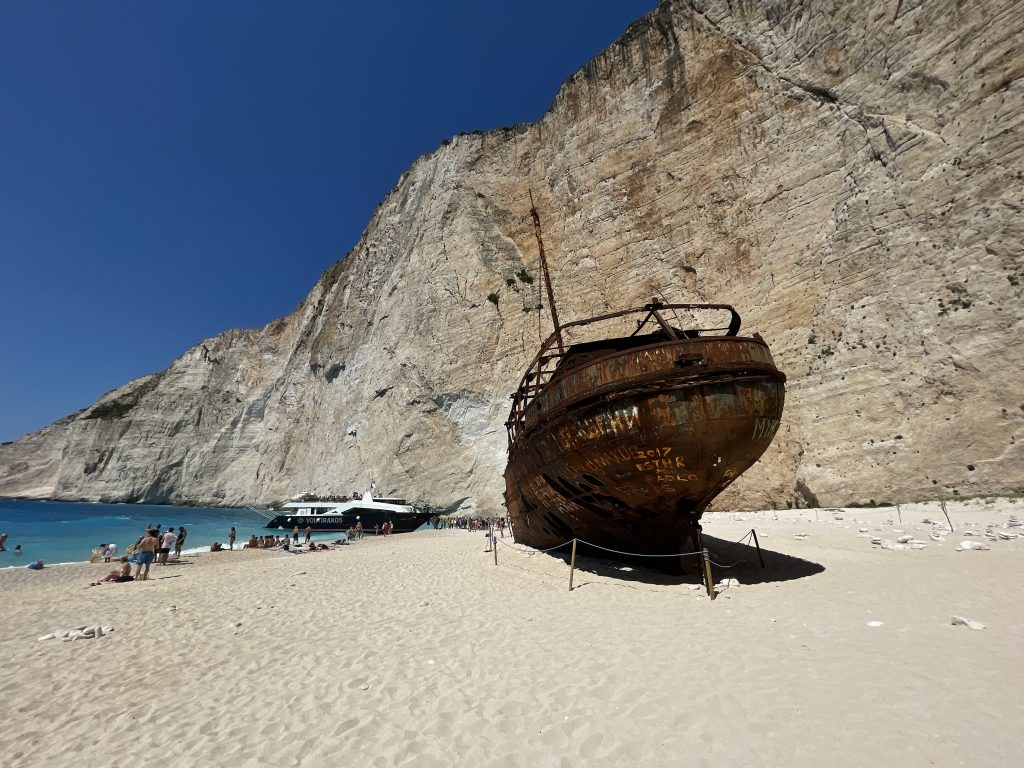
x=494 y=545
x=708 y=581
x=758 y=545
x=572 y=564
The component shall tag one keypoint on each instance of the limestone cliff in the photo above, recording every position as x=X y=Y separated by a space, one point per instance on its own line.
x=847 y=174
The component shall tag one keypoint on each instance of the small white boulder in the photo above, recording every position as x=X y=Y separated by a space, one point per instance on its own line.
x=972 y=545
x=960 y=621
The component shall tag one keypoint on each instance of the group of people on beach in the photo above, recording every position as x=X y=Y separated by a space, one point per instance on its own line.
x=152 y=547
x=291 y=544
x=265 y=542
x=282 y=543
x=469 y=523
x=160 y=548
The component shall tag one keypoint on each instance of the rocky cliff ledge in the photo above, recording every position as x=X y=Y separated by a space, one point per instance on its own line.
x=847 y=174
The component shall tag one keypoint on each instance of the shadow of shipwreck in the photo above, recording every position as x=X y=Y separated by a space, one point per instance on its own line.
x=729 y=560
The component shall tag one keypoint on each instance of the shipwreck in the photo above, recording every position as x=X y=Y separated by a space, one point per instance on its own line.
x=622 y=440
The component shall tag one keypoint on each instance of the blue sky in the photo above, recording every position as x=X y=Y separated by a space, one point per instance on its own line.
x=169 y=170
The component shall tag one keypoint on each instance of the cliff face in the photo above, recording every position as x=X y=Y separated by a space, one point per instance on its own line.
x=847 y=174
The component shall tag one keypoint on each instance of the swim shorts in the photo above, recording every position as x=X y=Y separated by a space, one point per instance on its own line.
x=145 y=558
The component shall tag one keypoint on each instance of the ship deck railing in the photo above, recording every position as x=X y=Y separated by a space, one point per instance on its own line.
x=554 y=349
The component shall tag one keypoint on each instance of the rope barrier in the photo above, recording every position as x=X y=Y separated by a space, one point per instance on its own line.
x=720 y=565
x=704 y=552
x=637 y=554
x=532 y=552
x=738 y=542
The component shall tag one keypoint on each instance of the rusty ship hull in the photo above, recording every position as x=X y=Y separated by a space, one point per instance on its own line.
x=624 y=442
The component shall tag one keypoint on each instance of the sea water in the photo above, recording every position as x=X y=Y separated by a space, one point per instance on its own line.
x=66 y=532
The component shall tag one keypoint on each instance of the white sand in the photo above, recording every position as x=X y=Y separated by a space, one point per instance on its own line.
x=417 y=650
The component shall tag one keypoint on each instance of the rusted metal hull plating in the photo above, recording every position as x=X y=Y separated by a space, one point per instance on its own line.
x=625 y=448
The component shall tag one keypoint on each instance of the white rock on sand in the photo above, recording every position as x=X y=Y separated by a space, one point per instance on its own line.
x=629 y=669
x=965 y=545
x=962 y=622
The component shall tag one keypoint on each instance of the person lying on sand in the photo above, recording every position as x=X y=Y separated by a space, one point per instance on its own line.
x=216 y=547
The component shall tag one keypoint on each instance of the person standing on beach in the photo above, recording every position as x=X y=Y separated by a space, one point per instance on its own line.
x=309 y=533
x=231 y=538
x=295 y=534
x=180 y=541
x=166 y=542
x=147 y=551
x=359 y=529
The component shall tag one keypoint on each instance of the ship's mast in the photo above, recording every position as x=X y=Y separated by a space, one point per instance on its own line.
x=547 y=277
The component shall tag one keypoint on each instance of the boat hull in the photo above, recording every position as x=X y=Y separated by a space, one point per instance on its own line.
x=628 y=450
x=330 y=522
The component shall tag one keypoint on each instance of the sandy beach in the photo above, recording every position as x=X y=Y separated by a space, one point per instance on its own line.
x=417 y=650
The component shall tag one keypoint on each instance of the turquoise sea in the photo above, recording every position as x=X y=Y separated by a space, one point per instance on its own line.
x=66 y=532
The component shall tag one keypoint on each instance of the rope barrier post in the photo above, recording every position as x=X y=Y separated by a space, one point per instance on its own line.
x=758 y=545
x=572 y=564
x=708 y=581
x=942 y=504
